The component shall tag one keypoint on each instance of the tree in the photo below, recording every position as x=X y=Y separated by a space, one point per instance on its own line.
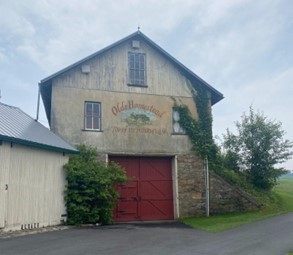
x=257 y=149
x=91 y=196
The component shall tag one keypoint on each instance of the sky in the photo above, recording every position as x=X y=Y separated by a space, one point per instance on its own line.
x=243 y=48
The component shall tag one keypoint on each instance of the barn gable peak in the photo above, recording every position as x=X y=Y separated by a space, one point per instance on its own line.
x=136 y=38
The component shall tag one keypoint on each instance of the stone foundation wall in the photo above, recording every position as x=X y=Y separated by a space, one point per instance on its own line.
x=191 y=185
x=101 y=158
x=224 y=197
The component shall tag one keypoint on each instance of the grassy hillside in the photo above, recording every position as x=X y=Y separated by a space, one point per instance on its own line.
x=277 y=202
x=284 y=191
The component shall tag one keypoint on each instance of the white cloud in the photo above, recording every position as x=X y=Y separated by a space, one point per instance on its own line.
x=15 y=25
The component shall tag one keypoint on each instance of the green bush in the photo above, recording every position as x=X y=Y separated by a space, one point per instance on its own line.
x=91 y=196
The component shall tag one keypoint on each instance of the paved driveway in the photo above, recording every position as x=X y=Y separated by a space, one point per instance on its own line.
x=272 y=236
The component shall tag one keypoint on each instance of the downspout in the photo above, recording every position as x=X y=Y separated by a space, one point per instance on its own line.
x=38 y=103
x=207 y=186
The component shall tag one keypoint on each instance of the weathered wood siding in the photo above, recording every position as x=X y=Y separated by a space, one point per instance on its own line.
x=109 y=72
x=36 y=181
x=4 y=175
x=107 y=83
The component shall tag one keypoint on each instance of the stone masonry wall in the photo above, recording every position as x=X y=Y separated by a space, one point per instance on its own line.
x=224 y=197
x=101 y=158
x=191 y=185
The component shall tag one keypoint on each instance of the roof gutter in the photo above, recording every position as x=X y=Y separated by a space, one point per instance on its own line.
x=37 y=145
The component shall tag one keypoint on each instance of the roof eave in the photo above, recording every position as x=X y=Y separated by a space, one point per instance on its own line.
x=37 y=145
x=218 y=96
x=88 y=57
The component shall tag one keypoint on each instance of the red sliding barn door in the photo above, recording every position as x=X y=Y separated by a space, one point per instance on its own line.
x=148 y=195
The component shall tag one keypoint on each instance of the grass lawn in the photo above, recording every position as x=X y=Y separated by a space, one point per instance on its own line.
x=281 y=202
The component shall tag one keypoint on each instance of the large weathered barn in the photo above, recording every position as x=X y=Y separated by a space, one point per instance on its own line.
x=32 y=179
x=120 y=100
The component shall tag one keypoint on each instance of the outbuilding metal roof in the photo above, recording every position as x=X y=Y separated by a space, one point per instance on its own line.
x=18 y=127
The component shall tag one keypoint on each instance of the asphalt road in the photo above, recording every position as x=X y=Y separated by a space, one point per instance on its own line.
x=273 y=236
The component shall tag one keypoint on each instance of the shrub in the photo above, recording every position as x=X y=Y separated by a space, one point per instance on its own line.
x=91 y=196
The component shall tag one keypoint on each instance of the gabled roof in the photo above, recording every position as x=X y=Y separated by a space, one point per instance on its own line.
x=18 y=127
x=45 y=84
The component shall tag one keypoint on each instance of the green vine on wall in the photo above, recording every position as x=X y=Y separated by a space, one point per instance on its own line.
x=199 y=130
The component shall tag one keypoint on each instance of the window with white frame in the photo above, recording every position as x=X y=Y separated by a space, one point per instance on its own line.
x=177 y=128
x=92 y=116
x=137 y=68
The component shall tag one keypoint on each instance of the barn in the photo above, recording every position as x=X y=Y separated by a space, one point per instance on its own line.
x=32 y=179
x=120 y=100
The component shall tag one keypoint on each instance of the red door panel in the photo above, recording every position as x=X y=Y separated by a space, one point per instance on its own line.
x=148 y=195
x=156 y=189
x=127 y=208
x=156 y=210
x=155 y=169
x=131 y=166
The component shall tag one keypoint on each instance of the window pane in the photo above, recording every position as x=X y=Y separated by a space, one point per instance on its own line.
x=132 y=56
x=181 y=130
x=141 y=61
x=88 y=108
x=141 y=65
x=88 y=123
x=176 y=127
x=141 y=75
x=96 y=124
x=131 y=60
x=136 y=65
x=175 y=115
x=96 y=108
x=131 y=64
x=131 y=74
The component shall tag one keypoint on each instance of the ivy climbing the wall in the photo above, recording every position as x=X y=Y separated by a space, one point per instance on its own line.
x=199 y=130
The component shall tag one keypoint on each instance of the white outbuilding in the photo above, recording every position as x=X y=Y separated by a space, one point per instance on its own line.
x=32 y=179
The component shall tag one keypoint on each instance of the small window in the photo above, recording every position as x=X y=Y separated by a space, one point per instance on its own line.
x=177 y=129
x=137 y=69
x=92 y=116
